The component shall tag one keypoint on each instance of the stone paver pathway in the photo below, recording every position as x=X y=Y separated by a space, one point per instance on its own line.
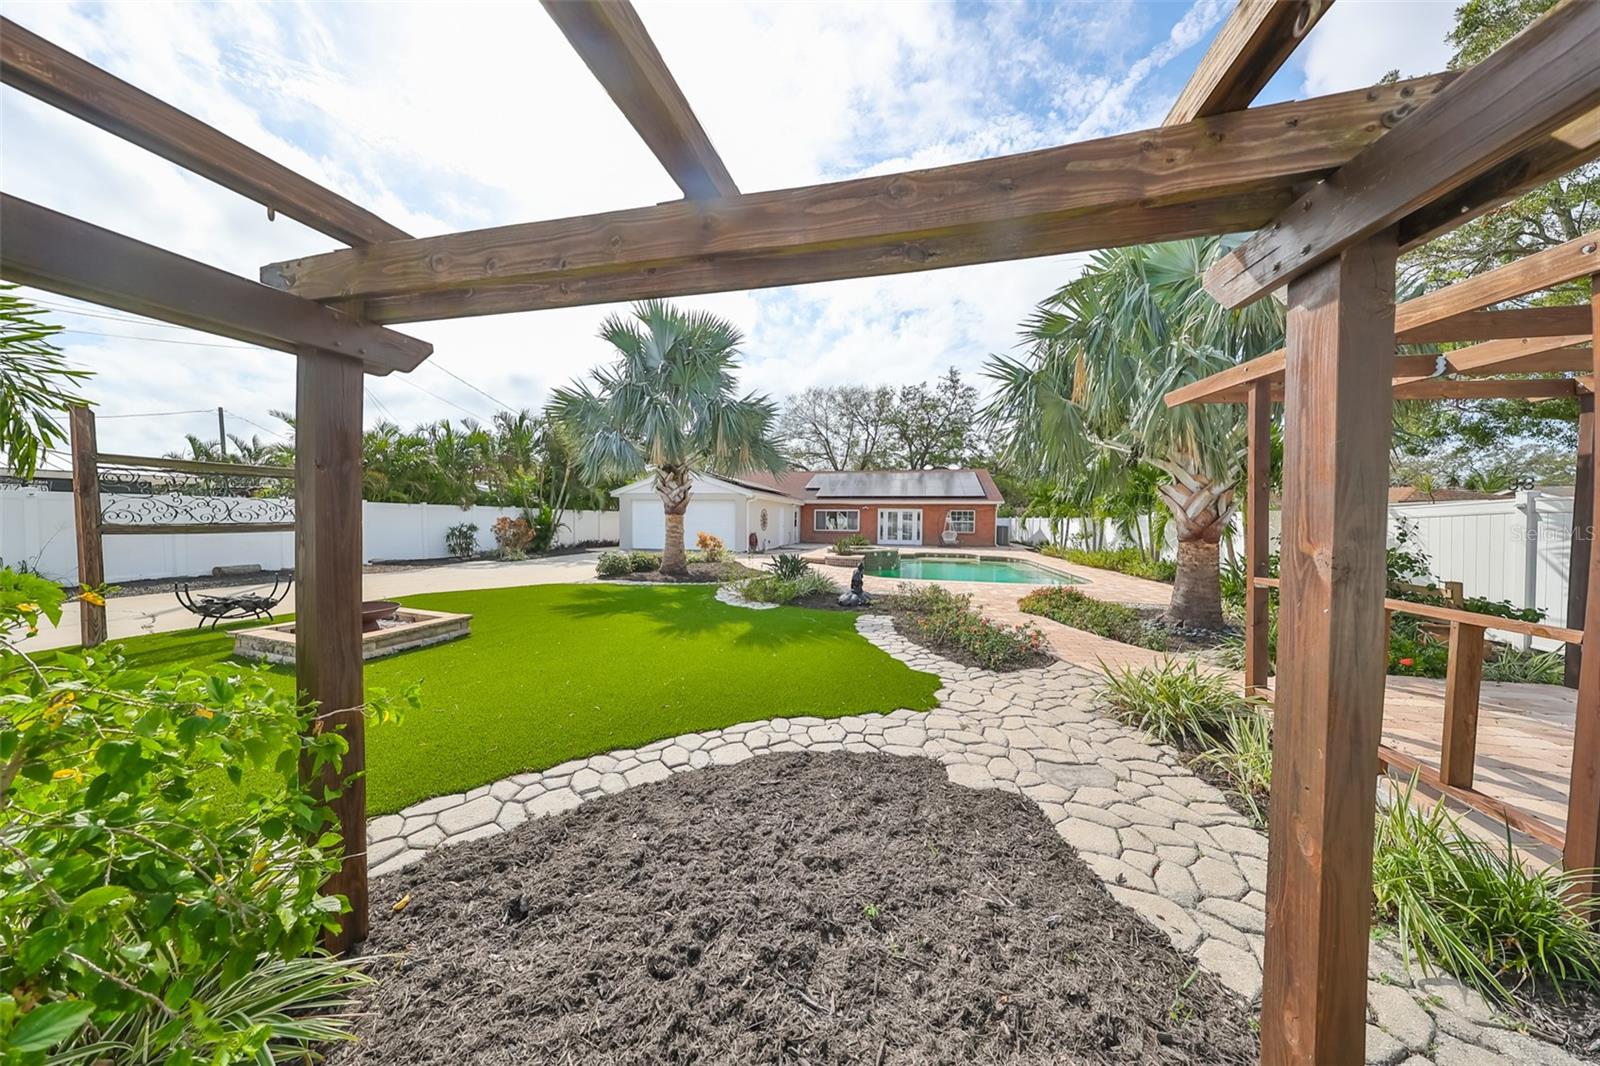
x=1164 y=841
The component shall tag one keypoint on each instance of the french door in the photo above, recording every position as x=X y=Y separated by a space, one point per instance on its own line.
x=899 y=526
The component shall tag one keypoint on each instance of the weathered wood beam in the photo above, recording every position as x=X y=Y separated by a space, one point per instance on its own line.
x=1521 y=277
x=1484 y=389
x=1580 y=546
x=1204 y=176
x=32 y=64
x=1570 y=146
x=1329 y=712
x=1506 y=324
x=87 y=522
x=1257 y=522
x=1582 y=850
x=1537 y=82
x=68 y=256
x=1463 y=683
x=1252 y=43
x=327 y=633
x=610 y=38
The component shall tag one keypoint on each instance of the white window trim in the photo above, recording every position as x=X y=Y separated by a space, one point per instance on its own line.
x=818 y=527
x=972 y=520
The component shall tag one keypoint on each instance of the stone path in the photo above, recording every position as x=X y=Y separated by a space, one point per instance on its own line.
x=1165 y=842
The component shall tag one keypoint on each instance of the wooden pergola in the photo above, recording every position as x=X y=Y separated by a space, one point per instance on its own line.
x=1336 y=185
x=1463 y=373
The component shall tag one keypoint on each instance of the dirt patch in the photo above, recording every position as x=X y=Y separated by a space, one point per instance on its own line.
x=797 y=908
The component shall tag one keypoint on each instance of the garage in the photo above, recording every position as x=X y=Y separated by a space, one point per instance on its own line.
x=648 y=526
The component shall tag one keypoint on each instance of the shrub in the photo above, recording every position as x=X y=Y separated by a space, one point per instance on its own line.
x=1130 y=561
x=542 y=524
x=711 y=547
x=614 y=564
x=846 y=545
x=1527 y=667
x=1073 y=608
x=1175 y=703
x=1476 y=911
x=1243 y=754
x=946 y=621
x=461 y=541
x=514 y=535
x=789 y=566
x=644 y=562
x=774 y=588
x=138 y=914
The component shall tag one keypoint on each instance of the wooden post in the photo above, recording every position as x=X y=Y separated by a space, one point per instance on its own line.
x=1582 y=533
x=1257 y=616
x=1582 y=851
x=1462 y=683
x=86 y=514
x=327 y=542
x=1337 y=427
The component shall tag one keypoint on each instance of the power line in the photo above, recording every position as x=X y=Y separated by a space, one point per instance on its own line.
x=162 y=340
x=374 y=398
x=158 y=414
x=258 y=425
x=441 y=399
x=130 y=319
x=446 y=370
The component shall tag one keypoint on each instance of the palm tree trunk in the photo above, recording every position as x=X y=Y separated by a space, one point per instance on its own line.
x=672 y=485
x=673 y=559
x=1202 y=510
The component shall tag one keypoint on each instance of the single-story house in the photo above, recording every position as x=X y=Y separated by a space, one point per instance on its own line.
x=766 y=511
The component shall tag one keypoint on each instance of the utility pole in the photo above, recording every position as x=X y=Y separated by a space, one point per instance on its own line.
x=222 y=434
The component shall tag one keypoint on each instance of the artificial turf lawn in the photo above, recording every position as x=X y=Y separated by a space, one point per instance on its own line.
x=558 y=672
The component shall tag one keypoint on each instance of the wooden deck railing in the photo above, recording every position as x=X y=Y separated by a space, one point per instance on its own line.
x=1463 y=687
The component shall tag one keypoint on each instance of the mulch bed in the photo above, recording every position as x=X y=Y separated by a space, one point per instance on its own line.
x=699 y=574
x=796 y=908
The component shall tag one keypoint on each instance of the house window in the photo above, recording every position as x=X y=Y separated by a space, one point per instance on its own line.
x=838 y=522
x=964 y=521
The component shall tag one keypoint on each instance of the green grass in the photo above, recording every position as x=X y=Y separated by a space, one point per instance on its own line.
x=558 y=672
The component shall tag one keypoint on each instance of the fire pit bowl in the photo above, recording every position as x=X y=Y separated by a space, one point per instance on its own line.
x=375 y=611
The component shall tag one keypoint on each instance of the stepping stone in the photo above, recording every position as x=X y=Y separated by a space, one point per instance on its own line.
x=469 y=815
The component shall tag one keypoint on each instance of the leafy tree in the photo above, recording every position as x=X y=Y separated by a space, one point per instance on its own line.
x=36 y=385
x=668 y=403
x=934 y=425
x=839 y=427
x=1088 y=397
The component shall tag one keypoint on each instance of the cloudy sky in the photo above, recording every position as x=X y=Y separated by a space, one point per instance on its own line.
x=444 y=117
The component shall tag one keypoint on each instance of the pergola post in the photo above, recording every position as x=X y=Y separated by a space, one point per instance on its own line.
x=1582 y=851
x=1258 y=471
x=1582 y=543
x=86 y=515
x=1337 y=426
x=327 y=549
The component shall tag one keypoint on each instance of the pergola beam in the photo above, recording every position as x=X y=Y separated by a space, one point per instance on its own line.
x=1207 y=176
x=1505 y=324
x=610 y=38
x=32 y=64
x=1254 y=41
x=1539 y=81
x=70 y=257
x=1532 y=273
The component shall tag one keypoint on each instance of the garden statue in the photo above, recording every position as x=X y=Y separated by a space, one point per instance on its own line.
x=856 y=597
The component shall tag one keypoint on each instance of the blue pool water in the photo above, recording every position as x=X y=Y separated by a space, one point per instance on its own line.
x=948 y=568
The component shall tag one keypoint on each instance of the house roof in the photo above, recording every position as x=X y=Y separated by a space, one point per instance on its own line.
x=825 y=485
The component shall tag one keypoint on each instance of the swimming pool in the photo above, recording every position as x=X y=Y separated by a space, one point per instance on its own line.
x=966 y=568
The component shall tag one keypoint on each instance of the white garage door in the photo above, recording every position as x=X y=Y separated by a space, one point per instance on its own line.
x=711 y=516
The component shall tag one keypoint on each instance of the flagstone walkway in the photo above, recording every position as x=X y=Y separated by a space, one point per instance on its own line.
x=1164 y=841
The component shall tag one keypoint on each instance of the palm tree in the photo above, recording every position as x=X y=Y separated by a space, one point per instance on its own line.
x=668 y=403
x=1102 y=353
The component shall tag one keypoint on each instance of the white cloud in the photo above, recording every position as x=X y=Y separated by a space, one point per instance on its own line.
x=1359 y=41
x=442 y=117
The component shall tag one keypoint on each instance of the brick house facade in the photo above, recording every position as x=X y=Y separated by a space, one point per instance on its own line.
x=837 y=504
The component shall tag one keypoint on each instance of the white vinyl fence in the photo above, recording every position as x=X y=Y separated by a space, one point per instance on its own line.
x=37 y=528
x=1512 y=549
